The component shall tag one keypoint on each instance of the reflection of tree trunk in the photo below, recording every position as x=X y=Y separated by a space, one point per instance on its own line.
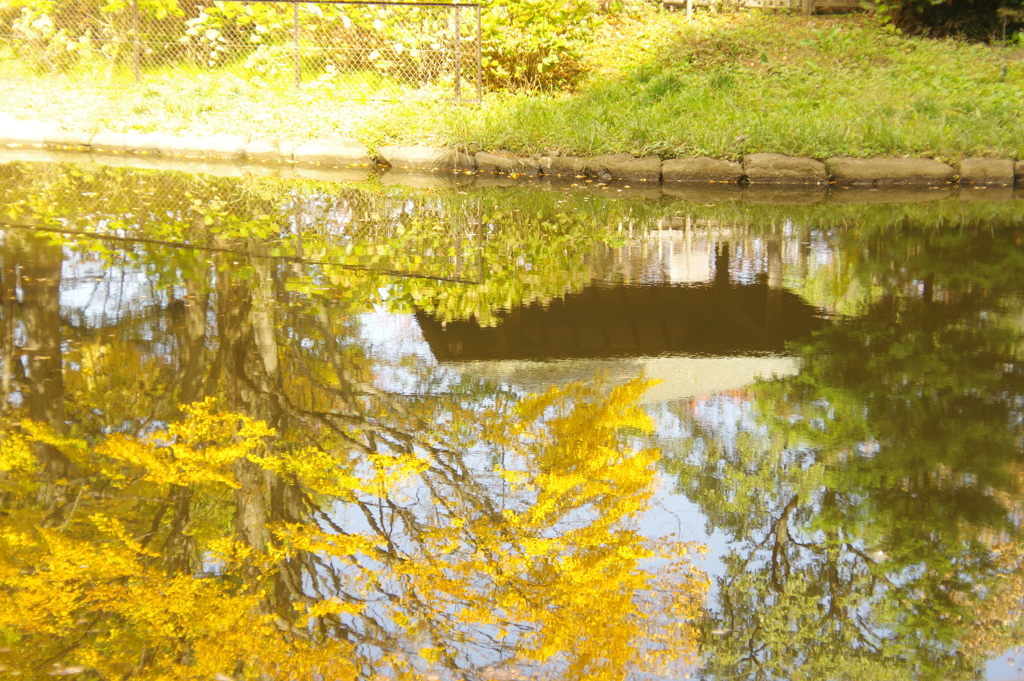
x=194 y=341
x=264 y=328
x=773 y=307
x=334 y=353
x=836 y=590
x=8 y=303
x=722 y=267
x=249 y=338
x=236 y=336
x=248 y=359
x=180 y=547
x=40 y=286
x=250 y=505
x=780 y=564
x=287 y=506
x=804 y=255
x=929 y=289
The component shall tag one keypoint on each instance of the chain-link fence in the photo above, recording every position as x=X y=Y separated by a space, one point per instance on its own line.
x=377 y=50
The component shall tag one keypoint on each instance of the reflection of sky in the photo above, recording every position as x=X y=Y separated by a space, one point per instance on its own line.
x=391 y=337
x=97 y=294
x=1008 y=667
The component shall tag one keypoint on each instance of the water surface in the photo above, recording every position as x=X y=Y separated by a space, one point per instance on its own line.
x=303 y=430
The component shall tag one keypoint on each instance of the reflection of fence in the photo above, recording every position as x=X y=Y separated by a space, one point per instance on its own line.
x=381 y=50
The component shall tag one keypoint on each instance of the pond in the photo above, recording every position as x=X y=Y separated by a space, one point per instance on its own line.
x=267 y=429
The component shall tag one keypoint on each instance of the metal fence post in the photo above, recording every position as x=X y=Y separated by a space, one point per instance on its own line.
x=479 y=58
x=136 y=46
x=457 y=12
x=295 y=40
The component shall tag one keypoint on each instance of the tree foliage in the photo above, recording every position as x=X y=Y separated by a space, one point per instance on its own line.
x=978 y=19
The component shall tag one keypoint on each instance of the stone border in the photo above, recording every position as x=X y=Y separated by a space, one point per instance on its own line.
x=348 y=160
x=698 y=192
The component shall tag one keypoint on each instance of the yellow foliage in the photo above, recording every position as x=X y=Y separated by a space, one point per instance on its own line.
x=15 y=453
x=398 y=561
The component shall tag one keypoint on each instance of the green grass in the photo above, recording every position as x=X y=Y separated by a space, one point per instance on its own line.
x=724 y=85
x=739 y=84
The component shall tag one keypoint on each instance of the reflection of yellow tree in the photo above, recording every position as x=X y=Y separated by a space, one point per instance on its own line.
x=392 y=562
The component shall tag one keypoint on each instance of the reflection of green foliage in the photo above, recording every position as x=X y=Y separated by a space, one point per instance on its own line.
x=851 y=254
x=868 y=495
x=465 y=255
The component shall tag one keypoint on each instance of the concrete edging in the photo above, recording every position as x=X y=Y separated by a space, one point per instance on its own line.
x=706 y=192
x=348 y=160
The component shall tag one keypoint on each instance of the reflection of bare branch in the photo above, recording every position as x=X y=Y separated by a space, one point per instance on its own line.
x=74 y=507
x=868 y=561
x=781 y=532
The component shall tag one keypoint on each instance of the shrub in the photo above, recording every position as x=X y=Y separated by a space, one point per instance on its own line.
x=535 y=43
x=975 y=19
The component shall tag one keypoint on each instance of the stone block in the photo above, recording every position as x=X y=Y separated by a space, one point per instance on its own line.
x=877 y=172
x=195 y=166
x=63 y=139
x=287 y=148
x=188 y=147
x=625 y=167
x=214 y=148
x=338 y=152
x=701 y=169
x=506 y=163
x=109 y=142
x=429 y=159
x=28 y=133
x=782 y=169
x=986 y=171
x=563 y=166
x=1018 y=173
x=270 y=151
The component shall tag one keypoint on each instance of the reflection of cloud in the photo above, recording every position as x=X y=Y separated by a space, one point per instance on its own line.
x=681 y=376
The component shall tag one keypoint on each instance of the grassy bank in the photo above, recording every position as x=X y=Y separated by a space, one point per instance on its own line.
x=724 y=85
x=764 y=82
